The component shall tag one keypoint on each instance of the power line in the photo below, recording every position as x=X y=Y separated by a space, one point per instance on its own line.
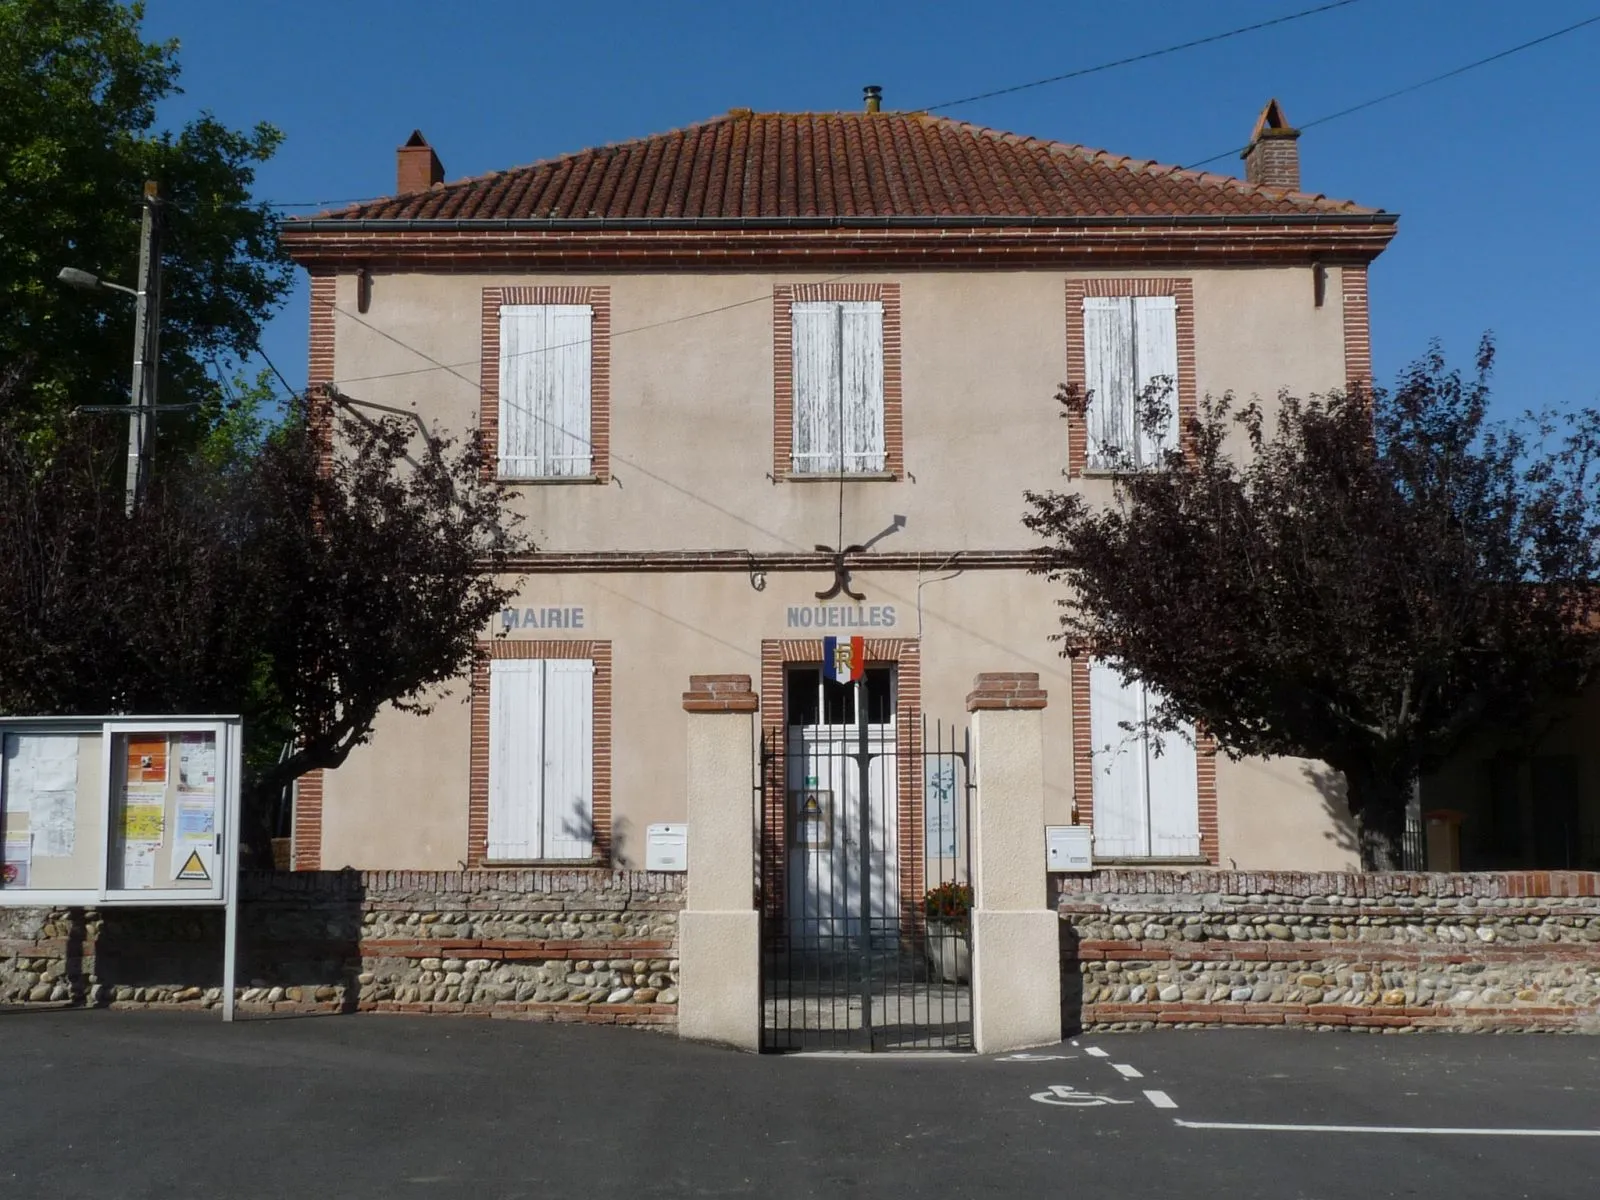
x=324 y=203
x=1147 y=55
x=1420 y=84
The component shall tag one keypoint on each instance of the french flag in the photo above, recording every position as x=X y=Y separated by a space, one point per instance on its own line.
x=844 y=660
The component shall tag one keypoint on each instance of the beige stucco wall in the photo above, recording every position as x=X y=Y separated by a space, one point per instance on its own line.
x=691 y=435
x=692 y=395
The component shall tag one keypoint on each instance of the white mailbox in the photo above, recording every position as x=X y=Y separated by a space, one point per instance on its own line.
x=666 y=848
x=1068 y=848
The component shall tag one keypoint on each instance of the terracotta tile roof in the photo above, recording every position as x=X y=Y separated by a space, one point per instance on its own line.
x=848 y=164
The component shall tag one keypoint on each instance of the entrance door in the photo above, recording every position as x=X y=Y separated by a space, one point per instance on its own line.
x=835 y=834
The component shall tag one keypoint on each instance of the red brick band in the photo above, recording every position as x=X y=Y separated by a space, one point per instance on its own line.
x=1357 y=328
x=720 y=694
x=993 y=690
x=305 y=851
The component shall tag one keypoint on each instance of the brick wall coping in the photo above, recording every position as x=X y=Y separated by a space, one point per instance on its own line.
x=270 y=885
x=1372 y=885
x=1006 y=690
x=720 y=694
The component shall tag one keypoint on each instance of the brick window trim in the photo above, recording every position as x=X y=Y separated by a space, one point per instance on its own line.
x=783 y=297
x=599 y=300
x=1083 y=765
x=1181 y=289
x=599 y=653
x=906 y=655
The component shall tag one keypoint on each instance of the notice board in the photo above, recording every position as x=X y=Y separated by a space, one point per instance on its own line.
x=118 y=810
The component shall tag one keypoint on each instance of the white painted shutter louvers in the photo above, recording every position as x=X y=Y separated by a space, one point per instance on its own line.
x=1128 y=342
x=1144 y=804
x=545 y=355
x=541 y=759
x=1155 y=342
x=837 y=386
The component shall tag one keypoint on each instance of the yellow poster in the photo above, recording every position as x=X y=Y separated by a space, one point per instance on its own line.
x=144 y=816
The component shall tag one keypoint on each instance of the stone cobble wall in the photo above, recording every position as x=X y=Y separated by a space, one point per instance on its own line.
x=1502 y=951
x=584 y=944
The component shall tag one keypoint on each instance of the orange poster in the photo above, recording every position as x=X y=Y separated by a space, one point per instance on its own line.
x=147 y=759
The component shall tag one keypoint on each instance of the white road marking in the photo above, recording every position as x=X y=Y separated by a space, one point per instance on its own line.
x=1126 y=1071
x=1445 y=1131
x=1161 y=1100
x=1096 y=1051
x=1070 y=1097
x=1037 y=1058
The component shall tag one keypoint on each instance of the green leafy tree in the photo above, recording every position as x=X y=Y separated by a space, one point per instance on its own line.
x=79 y=88
x=1375 y=581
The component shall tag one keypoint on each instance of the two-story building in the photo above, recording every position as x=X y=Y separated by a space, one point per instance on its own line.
x=782 y=377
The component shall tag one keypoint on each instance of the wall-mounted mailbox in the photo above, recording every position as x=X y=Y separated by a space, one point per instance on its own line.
x=666 y=848
x=1068 y=848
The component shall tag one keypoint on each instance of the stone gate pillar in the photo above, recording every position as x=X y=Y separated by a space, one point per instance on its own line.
x=719 y=941
x=1016 y=956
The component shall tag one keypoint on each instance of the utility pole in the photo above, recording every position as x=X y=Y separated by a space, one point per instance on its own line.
x=146 y=346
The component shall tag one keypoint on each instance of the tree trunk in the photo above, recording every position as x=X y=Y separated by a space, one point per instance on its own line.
x=1378 y=805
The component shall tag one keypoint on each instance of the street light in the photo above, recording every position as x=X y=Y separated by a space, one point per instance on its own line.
x=85 y=281
x=146 y=335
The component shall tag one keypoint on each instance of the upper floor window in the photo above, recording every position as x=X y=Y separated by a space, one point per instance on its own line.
x=545 y=385
x=838 y=387
x=1130 y=351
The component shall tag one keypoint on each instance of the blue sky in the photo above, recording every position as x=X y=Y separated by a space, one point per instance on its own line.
x=1494 y=173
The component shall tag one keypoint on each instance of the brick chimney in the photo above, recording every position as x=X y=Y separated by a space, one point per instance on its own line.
x=1273 y=158
x=417 y=167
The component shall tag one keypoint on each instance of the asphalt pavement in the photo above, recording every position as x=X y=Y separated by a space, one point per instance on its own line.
x=145 y=1104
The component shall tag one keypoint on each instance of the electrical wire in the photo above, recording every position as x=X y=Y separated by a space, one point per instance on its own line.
x=1418 y=86
x=1144 y=57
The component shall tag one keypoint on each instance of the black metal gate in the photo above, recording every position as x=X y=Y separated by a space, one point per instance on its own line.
x=865 y=883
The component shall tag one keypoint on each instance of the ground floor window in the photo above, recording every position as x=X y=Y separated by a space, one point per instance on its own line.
x=1146 y=797
x=541 y=759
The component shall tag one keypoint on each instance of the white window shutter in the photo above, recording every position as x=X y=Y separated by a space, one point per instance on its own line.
x=816 y=386
x=1174 y=792
x=569 y=758
x=521 y=449
x=1109 y=374
x=862 y=385
x=568 y=355
x=1120 y=824
x=516 y=752
x=1156 y=356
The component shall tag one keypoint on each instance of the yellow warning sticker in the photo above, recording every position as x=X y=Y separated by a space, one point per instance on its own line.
x=194 y=868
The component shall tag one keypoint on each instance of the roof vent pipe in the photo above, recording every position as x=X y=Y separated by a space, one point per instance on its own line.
x=873 y=94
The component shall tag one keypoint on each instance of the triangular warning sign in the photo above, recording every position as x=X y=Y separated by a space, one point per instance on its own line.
x=194 y=868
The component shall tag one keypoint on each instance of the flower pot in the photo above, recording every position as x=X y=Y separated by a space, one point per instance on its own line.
x=949 y=952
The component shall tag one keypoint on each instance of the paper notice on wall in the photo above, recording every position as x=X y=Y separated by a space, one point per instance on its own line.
x=42 y=783
x=139 y=864
x=195 y=837
x=147 y=759
x=17 y=865
x=143 y=815
x=55 y=824
x=197 y=762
